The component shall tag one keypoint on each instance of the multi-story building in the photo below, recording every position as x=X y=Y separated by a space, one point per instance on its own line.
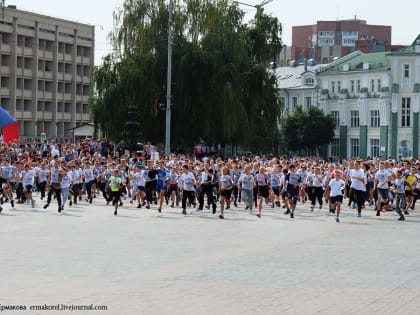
x=328 y=39
x=356 y=90
x=374 y=99
x=46 y=71
x=404 y=115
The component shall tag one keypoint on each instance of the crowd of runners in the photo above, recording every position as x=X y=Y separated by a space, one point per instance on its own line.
x=75 y=173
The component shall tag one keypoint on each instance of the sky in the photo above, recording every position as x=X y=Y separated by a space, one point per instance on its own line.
x=401 y=15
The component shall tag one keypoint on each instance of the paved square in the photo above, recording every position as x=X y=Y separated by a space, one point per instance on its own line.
x=142 y=262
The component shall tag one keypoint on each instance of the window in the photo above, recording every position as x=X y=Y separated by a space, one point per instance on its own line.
x=372 y=85
x=308 y=102
x=374 y=118
x=326 y=42
x=338 y=86
x=351 y=86
x=309 y=81
x=354 y=119
x=294 y=102
x=349 y=42
x=336 y=117
x=332 y=87
x=358 y=86
x=374 y=147
x=335 y=147
x=354 y=147
x=379 y=84
x=405 y=112
x=326 y=34
x=406 y=71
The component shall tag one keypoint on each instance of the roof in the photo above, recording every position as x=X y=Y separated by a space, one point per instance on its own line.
x=291 y=77
x=356 y=61
x=408 y=50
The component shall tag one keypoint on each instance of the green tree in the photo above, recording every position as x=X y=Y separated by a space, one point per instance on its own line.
x=222 y=91
x=306 y=131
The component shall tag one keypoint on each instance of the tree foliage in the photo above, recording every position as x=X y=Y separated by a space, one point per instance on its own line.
x=307 y=130
x=221 y=89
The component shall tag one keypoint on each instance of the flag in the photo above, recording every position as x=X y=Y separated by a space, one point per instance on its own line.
x=10 y=126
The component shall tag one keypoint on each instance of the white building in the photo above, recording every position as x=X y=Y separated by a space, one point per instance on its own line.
x=374 y=99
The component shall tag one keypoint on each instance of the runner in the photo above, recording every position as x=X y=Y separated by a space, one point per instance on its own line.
x=337 y=185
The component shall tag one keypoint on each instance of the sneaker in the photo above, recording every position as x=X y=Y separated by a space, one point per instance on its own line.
x=292 y=215
x=184 y=212
x=172 y=205
x=139 y=206
x=1 y=209
x=199 y=209
x=378 y=213
x=406 y=212
x=115 y=212
x=359 y=214
x=33 y=203
x=12 y=202
x=221 y=216
x=287 y=211
x=246 y=208
x=159 y=210
x=46 y=205
x=320 y=207
x=59 y=209
x=235 y=204
x=147 y=207
x=214 y=209
x=337 y=220
x=70 y=203
x=258 y=214
x=90 y=200
x=312 y=208
x=402 y=218
x=272 y=206
x=227 y=207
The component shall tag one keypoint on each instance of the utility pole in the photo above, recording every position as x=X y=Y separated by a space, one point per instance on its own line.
x=169 y=81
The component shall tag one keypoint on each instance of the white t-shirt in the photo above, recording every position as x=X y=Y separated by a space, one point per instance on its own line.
x=356 y=183
x=187 y=181
x=28 y=178
x=337 y=186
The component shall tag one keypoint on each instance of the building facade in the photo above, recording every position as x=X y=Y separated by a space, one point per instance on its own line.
x=355 y=90
x=46 y=72
x=326 y=40
x=374 y=99
x=405 y=99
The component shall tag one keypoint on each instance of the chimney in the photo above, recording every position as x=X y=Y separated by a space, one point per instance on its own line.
x=306 y=64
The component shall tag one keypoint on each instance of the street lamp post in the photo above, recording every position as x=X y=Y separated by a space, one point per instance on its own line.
x=169 y=82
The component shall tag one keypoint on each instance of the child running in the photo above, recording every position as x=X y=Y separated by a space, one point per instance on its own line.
x=337 y=186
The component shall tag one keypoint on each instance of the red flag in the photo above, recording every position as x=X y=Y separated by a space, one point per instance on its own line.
x=11 y=132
